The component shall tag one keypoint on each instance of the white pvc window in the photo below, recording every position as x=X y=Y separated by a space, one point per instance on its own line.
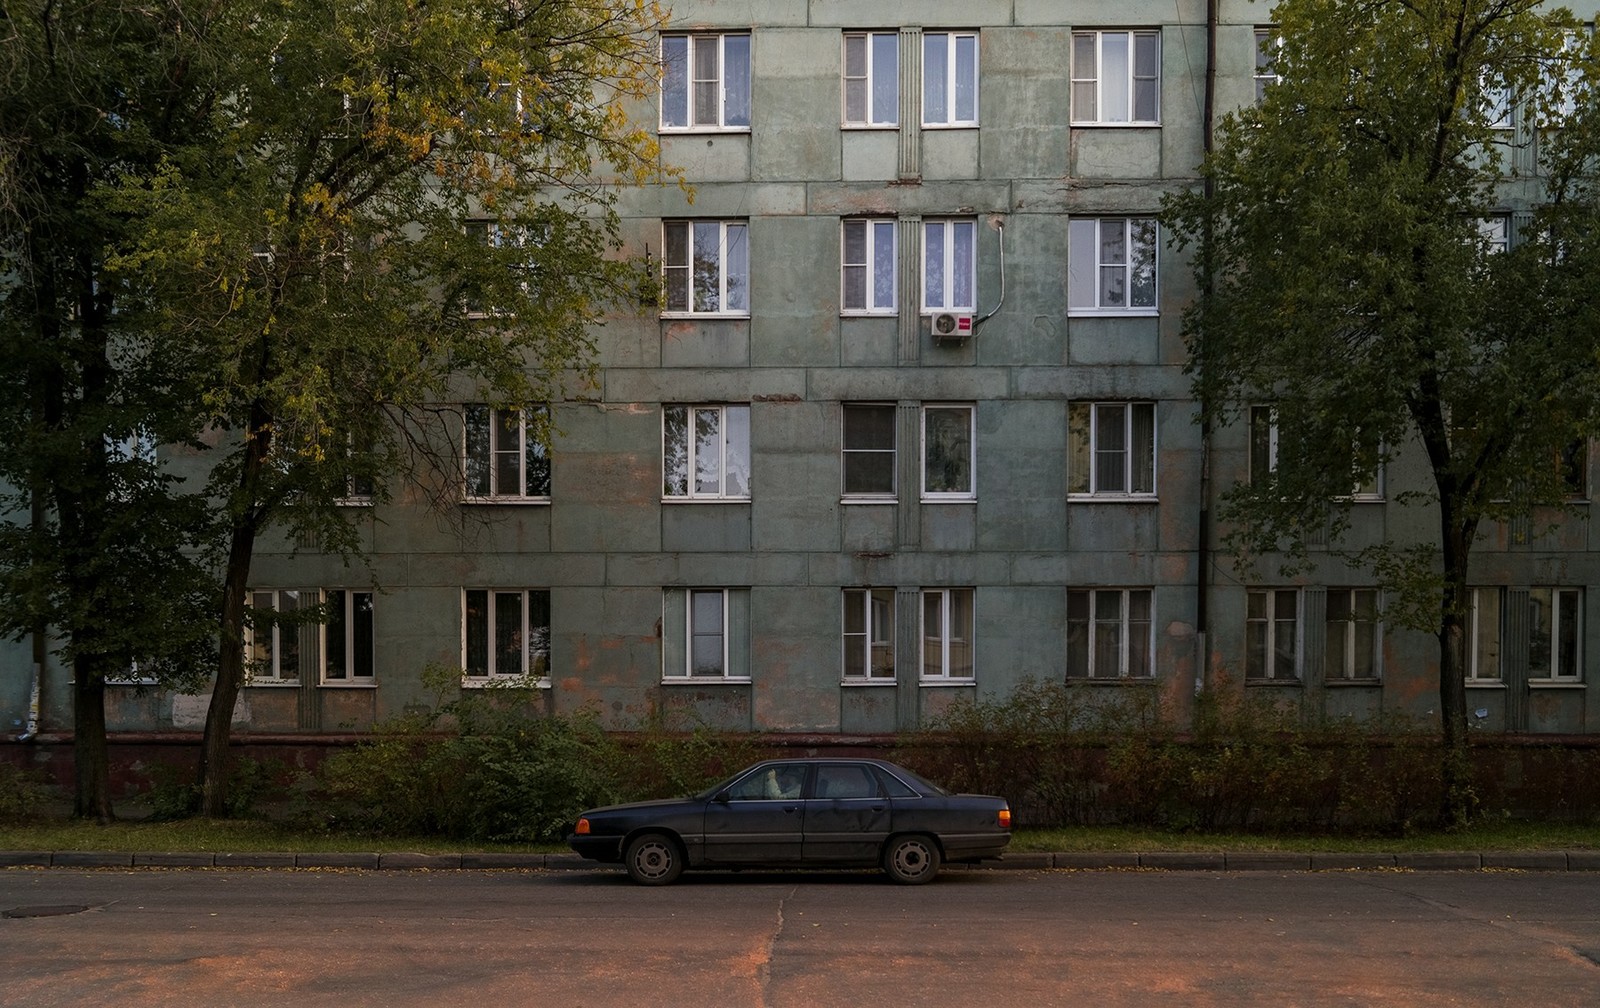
x=867 y=261
x=1555 y=634
x=949 y=265
x=949 y=453
x=1110 y=633
x=871 y=79
x=1111 y=449
x=705 y=267
x=1111 y=265
x=868 y=634
x=947 y=634
x=505 y=633
x=950 y=79
x=1354 y=641
x=1272 y=634
x=705 y=82
x=1116 y=78
x=706 y=452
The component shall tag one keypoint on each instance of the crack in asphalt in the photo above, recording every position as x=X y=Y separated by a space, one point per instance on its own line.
x=764 y=970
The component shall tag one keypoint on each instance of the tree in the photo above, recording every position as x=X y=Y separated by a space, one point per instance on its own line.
x=1349 y=279
x=99 y=549
x=368 y=210
x=405 y=209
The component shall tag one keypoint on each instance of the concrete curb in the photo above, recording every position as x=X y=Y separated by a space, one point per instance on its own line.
x=1235 y=861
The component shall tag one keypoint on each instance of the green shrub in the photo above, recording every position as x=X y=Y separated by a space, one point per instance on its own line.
x=22 y=794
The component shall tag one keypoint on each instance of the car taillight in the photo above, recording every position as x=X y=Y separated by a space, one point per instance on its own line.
x=583 y=825
x=1005 y=818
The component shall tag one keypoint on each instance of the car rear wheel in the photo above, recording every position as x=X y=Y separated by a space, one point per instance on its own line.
x=911 y=860
x=654 y=859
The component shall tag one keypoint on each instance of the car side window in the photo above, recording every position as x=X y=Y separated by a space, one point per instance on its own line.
x=845 y=782
x=773 y=783
x=894 y=787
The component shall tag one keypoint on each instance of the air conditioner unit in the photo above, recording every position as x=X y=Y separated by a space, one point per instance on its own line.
x=951 y=328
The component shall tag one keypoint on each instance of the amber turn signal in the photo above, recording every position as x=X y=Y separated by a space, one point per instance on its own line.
x=583 y=825
x=1005 y=819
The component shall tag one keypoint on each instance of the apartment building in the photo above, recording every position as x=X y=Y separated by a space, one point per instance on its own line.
x=910 y=426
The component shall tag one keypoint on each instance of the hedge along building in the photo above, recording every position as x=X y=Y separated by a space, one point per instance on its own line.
x=910 y=426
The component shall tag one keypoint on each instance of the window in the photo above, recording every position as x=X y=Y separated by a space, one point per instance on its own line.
x=506 y=633
x=347 y=636
x=949 y=265
x=706 y=267
x=1111 y=449
x=705 y=82
x=948 y=453
x=1110 y=633
x=869 y=452
x=871 y=79
x=274 y=637
x=1494 y=101
x=506 y=456
x=1485 y=630
x=479 y=296
x=1272 y=635
x=706 y=452
x=705 y=634
x=867 y=257
x=286 y=642
x=1111 y=265
x=946 y=633
x=1366 y=465
x=868 y=634
x=950 y=79
x=1354 y=642
x=1116 y=78
x=1263 y=443
x=1268 y=44
x=1555 y=628
x=1495 y=232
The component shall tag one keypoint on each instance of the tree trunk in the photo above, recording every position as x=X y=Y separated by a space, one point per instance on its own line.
x=215 y=765
x=91 y=766
x=1457 y=800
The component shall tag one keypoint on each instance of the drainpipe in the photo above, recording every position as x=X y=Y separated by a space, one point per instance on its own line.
x=1203 y=545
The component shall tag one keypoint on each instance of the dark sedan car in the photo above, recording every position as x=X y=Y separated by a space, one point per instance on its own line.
x=840 y=813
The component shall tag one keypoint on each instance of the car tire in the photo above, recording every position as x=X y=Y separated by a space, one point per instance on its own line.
x=911 y=860
x=654 y=859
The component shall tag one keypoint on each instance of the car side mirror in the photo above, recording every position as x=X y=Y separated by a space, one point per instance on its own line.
x=721 y=798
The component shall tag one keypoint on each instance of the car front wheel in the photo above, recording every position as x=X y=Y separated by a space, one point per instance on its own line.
x=911 y=860
x=653 y=859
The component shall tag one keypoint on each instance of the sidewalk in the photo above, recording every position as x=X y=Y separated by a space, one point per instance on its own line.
x=1577 y=860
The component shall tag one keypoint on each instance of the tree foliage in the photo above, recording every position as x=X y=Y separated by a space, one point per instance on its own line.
x=1349 y=282
x=335 y=218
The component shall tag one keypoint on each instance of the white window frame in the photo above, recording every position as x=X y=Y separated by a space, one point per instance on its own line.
x=1360 y=602
x=1485 y=638
x=853 y=446
x=1494 y=231
x=871 y=76
x=692 y=631
x=1093 y=433
x=725 y=289
x=1090 y=626
x=1562 y=655
x=728 y=97
x=949 y=89
x=1090 y=269
x=1121 y=90
x=951 y=264
x=1267 y=624
x=532 y=639
x=732 y=459
x=349 y=621
x=970 y=491
x=493 y=234
x=1268 y=43
x=941 y=648
x=530 y=452
x=868 y=649
x=879 y=256
x=264 y=658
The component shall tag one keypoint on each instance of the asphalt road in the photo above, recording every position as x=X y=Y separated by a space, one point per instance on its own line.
x=305 y=938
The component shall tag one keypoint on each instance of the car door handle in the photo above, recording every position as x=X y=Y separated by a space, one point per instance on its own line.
x=791 y=808
x=877 y=808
